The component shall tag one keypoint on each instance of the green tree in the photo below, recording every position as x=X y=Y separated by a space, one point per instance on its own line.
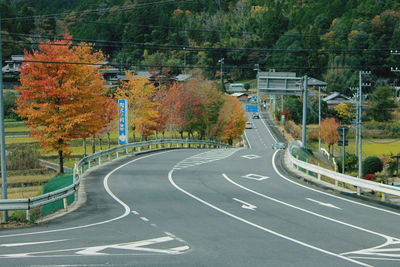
x=382 y=104
x=372 y=165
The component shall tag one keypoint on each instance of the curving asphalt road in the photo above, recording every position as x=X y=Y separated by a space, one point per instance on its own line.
x=228 y=207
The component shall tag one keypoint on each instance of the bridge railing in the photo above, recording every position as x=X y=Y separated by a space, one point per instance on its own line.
x=97 y=159
x=359 y=184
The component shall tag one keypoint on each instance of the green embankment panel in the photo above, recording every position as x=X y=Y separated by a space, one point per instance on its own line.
x=57 y=182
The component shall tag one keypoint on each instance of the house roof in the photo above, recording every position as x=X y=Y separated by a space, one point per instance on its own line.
x=239 y=94
x=182 y=77
x=337 y=98
x=316 y=82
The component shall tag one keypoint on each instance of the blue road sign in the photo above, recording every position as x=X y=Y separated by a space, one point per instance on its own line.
x=123 y=121
x=251 y=108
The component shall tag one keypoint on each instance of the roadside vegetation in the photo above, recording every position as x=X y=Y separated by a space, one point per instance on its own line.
x=381 y=132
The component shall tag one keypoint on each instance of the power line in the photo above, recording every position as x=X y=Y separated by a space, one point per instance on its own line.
x=227 y=66
x=121 y=44
x=86 y=11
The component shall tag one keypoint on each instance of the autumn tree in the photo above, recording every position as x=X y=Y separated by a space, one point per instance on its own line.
x=344 y=112
x=329 y=134
x=171 y=108
x=232 y=120
x=62 y=94
x=140 y=93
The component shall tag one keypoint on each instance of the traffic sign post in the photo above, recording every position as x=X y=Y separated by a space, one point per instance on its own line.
x=122 y=121
x=343 y=130
x=251 y=108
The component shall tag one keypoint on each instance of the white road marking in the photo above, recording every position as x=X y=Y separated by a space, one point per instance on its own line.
x=258 y=226
x=256 y=177
x=105 y=182
x=135 y=212
x=251 y=156
x=205 y=157
x=389 y=239
x=323 y=203
x=32 y=243
x=245 y=204
x=144 y=219
x=97 y=250
x=327 y=194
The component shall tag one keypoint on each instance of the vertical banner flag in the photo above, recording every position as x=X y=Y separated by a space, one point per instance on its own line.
x=123 y=121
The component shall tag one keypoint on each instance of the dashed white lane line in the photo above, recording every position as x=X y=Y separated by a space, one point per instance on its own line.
x=126 y=212
x=144 y=219
x=259 y=226
x=135 y=212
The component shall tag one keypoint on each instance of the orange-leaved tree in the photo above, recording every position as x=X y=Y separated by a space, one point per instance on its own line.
x=329 y=133
x=62 y=94
x=140 y=93
x=231 y=120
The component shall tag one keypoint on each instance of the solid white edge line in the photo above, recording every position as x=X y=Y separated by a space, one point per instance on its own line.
x=247 y=139
x=258 y=226
x=105 y=183
x=321 y=192
x=388 y=238
x=325 y=193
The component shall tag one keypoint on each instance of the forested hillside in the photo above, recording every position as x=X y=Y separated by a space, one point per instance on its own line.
x=326 y=39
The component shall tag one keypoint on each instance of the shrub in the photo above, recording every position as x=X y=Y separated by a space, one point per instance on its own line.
x=370 y=176
x=351 y=161
x=293 y=129
x=22 y=157
x=372 y=164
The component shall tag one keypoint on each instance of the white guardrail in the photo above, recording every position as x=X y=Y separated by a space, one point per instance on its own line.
x=34 y=202
x=347 y=179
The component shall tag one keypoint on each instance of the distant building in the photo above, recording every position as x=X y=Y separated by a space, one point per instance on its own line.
x=12 y=65
x=236 y=87
x=241 y=96
x=336 y=98
x=182 y=77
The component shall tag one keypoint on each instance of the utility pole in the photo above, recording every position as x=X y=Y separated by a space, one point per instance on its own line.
x=184 y=60
x=319 y=118
x=2 y=137
x=361 y=73
x=396 y=53
x=220 y=74
x=257 y=68
x=305 y=95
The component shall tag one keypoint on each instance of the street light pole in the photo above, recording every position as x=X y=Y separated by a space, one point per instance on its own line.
x=2 y=138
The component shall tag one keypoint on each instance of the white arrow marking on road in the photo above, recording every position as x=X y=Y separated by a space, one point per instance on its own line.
x=324 y=204
x=245 y=204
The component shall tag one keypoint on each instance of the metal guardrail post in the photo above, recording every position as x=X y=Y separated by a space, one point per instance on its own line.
x=80 y=167
x=319 y=175
x=65 y=204
x=358 y=191
x=28 y=215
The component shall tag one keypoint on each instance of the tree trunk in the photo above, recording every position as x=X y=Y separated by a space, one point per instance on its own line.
x=84 y=147
x=61 y=161
x=108 y=140
x=93 y=145
x=100 y=145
